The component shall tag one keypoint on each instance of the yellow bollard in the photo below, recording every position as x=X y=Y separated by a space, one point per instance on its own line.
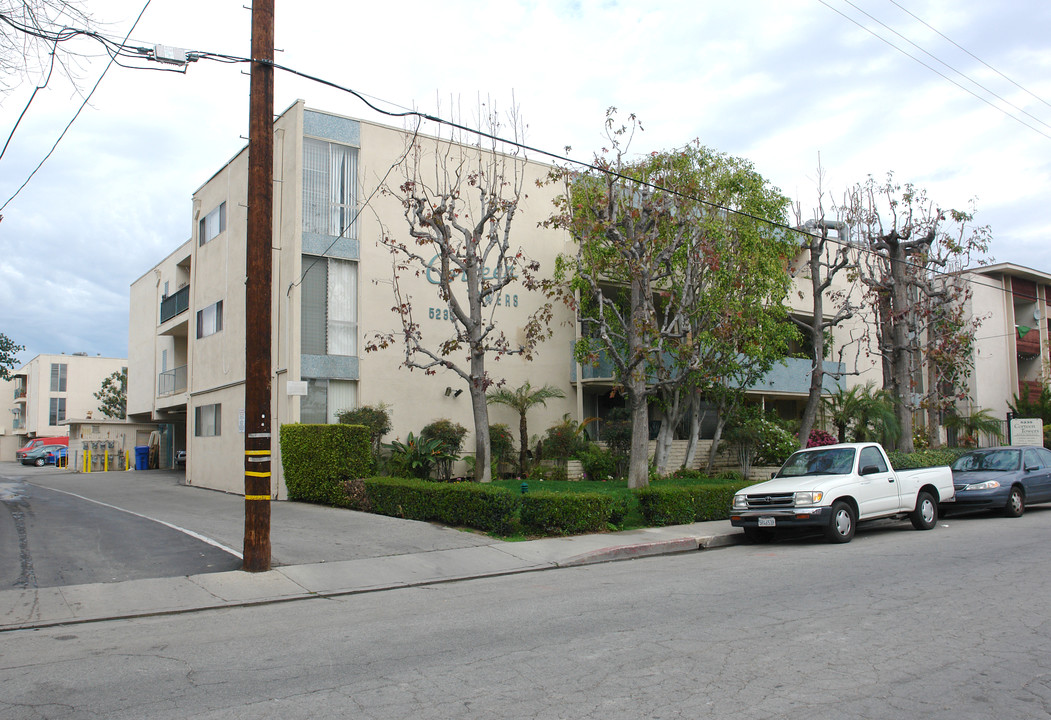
x=105 y=462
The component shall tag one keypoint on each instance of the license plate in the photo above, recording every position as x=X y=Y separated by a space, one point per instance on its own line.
x=767 y=522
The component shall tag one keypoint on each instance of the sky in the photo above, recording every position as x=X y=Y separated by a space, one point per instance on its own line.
x=787 y=84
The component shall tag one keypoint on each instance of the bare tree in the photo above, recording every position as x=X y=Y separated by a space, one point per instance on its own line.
x=35 y=34
x=459 y=204
x=908 y=245
x=825 y=258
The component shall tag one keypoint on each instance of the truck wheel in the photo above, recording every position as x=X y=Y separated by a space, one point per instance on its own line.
x=1015 y=503
x=757 y=536
x=925 y=516
x=840 y=527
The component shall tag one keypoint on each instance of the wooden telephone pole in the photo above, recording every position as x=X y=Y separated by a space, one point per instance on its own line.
x=258 y=289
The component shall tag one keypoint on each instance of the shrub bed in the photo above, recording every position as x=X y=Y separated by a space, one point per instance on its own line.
x=318 y=458
x=681 y=505
x=924 y=458
x=554 y=513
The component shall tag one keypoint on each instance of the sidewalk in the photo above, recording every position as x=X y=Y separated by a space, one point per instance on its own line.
x=413 y=554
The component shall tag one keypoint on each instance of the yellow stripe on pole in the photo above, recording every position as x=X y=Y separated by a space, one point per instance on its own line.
x=257 y=452
x=257 y=497
x=249 y=473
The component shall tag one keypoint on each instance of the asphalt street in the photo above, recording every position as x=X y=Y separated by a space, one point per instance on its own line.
x=946 y=625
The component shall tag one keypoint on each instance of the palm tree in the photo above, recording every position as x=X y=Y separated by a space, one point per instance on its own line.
x=522 y=399
x=874 y=416
x=842 y=409
x=978 y=422
x=868 y=412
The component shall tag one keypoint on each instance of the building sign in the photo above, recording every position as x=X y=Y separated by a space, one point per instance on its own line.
x=434 y=272
x=1027 y=431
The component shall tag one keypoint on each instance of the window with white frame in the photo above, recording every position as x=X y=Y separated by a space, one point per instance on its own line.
x=329 y=297
x=207 y=420
x=210 y=320
x=58 y=377
x=212 y=224
x=329 y=188
x=57 y=411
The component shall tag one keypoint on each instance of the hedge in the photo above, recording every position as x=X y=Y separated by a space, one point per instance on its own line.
x=554 y=513
x=681 y=505
x=318 y=458
x=463 y=504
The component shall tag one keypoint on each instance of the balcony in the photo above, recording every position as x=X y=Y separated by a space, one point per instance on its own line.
x=790 y=376
x=1028 y=344
x=1030 y=389
x=170 y=382
x=175 y=304
x=18 y=424
x=20 y=393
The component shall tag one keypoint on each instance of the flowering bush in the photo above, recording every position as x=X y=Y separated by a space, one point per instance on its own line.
x=820 y=438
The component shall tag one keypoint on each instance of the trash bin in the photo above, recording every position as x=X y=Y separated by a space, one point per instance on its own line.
x=142 y=457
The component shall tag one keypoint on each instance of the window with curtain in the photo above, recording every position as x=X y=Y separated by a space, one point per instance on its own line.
x=57 y=411
x=207 y=420
x=210 y=320
x=329 y=296
x=325 y=399
x=58 y=377
x=329 y=188
x=211 y=225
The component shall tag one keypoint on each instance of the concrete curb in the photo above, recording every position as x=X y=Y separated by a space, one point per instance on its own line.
x=629 y=552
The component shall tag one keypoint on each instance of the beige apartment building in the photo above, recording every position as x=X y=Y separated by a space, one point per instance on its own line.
x=1012 y=353
x=332 y=294
x=50 y=390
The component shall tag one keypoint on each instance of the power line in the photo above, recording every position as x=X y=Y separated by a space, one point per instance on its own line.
x=77 y=114
x=939 y=60
x=983 y=62
x=936 y=72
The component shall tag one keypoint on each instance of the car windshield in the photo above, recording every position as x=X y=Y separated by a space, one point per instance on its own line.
x=834 y=461
x=1001 y=460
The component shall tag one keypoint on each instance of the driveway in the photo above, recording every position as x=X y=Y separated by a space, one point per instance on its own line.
x=213 y=521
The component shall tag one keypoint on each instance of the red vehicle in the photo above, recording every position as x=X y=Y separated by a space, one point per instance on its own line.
x=40 y=442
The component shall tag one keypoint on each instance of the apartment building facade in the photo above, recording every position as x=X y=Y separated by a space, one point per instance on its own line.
x=332 y=294
x=50 y=390
x=1012 y=350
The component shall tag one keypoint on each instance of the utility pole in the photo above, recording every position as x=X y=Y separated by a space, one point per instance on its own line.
x=258 y=288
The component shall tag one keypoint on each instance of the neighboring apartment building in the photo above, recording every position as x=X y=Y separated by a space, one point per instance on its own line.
x=51 y=389
x=1012 y=354
x=332 y=292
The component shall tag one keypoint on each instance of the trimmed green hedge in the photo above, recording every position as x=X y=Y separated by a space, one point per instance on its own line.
x=554 y=513
x=318 y=458
x=924 y=458
x=463 y=504
x=682 y=505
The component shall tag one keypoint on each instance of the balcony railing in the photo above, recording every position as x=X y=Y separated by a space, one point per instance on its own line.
x=170 y=382
x=791 y=375
x=20 y=393
x=18 y=424
x=175 y=304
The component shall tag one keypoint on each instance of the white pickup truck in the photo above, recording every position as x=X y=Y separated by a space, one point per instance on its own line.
x=831 y=488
